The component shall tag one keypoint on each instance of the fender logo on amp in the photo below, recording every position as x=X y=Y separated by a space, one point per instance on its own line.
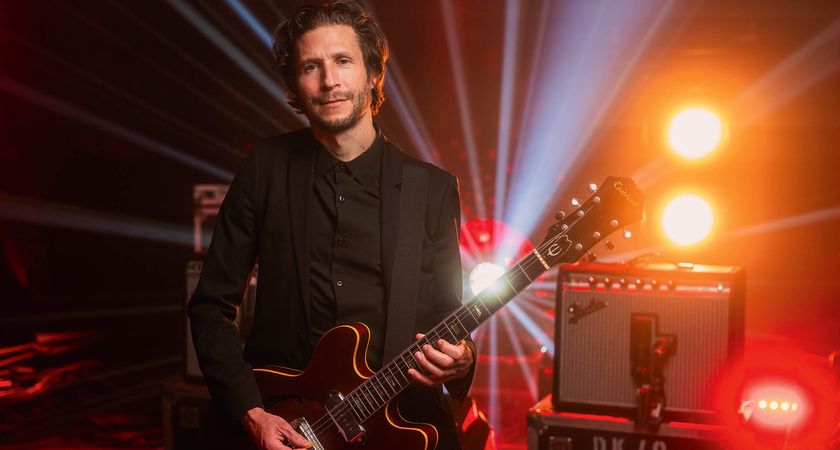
x=579 y=310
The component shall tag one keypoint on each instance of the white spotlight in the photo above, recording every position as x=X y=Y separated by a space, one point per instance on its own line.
x=484 y=275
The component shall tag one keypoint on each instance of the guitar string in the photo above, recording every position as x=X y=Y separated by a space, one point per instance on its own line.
x=326 y=422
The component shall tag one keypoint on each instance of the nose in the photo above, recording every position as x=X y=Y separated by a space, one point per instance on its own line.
x=329 y=79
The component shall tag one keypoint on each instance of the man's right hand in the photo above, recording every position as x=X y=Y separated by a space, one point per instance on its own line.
x=272 y=432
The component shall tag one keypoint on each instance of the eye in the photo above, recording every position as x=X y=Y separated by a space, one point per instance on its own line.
x=309 y=67
x=344 y=61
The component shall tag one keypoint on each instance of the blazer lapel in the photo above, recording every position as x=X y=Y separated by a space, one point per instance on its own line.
x=403 y=225
x=392 y=176
x=300 y=186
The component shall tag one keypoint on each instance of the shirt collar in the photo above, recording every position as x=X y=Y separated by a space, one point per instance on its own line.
x=366 y=167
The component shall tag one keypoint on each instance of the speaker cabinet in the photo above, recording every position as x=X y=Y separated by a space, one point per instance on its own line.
x=614 y=319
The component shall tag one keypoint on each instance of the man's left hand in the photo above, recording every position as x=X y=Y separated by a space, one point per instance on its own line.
x=447 y=362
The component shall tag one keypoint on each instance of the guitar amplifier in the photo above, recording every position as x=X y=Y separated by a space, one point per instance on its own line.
x=627 y=331
x=557 y=430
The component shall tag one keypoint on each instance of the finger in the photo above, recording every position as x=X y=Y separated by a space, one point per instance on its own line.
x=455 y=352
x=437 y=357
x=295 y=438
x=299 y=441
x=276 y=444
x=419 y=336
x=420 y=378
x=431 y=369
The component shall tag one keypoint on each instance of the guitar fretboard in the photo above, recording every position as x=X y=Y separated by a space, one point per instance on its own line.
x=381 y=388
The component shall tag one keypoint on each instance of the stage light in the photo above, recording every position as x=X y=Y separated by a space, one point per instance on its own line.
x=695 y=132
x=687 y=219
x=484 y=275
x=778 y=404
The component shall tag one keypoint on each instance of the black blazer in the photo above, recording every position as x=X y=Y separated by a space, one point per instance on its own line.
x=264 y=217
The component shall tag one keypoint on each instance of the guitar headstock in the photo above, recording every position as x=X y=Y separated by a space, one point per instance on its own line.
x=617 y=203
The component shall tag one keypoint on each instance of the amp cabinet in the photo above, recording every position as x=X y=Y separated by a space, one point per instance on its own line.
x=626 y=330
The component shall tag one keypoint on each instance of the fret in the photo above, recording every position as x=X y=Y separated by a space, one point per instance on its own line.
x=524 y=272
x=384 y=385
x=451 y=333
x=501 y=302
x=469 y=308
x=361 y=405
x=511 y=286
x=356 y=413
x=465 y=312
x=486 y=313
x=372 y=387
x=439 y=337
x=369 y=398
x=411 y=363
x=464 y=331
x=392 y=381
x=401 y=372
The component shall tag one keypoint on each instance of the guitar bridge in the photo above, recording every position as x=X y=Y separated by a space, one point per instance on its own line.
x=302 y=427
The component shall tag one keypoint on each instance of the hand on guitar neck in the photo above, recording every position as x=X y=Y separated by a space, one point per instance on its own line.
x=270 y=432
x=444 y=363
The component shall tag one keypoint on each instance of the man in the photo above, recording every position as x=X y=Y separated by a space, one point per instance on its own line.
x=346 y=228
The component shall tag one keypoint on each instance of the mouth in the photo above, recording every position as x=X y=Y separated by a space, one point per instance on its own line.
x=333 y=102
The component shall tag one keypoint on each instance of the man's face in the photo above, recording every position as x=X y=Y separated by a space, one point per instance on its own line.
x=333 y=87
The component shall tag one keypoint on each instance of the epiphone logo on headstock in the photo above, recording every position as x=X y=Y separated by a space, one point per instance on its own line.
x=619 y=186
x=560 y=246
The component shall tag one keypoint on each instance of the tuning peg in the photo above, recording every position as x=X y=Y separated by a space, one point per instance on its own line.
x=575 y=202
x=590 y=258
x=609 y=245
x=560 y=215
x=627 y=234
x=591 y=188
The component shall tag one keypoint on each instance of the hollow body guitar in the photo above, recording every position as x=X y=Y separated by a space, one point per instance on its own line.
x=338 y=402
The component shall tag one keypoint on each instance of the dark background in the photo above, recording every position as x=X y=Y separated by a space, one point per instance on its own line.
x=95 y=97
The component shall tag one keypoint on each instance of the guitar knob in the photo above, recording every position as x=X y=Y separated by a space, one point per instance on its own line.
x=591 y=188
x=575 y=202
x=627 y=234
x=596 y=199
x=609 y=245
x=613 y=223
x=596 y=235
x=578 y=247
x=560 y=215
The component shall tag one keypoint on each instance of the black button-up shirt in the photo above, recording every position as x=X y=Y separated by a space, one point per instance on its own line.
x=345 y=257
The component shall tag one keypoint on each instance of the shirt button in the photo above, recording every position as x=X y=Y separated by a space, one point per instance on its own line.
x=341 y=166
x=339 y=283
x=340 y=198
x=340 y=241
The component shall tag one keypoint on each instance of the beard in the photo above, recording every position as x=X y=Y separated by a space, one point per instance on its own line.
x=360 y=100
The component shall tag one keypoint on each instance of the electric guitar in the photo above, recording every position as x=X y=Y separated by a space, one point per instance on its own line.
x=356 y=409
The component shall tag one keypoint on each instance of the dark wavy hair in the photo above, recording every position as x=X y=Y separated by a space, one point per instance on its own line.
x=336 y=12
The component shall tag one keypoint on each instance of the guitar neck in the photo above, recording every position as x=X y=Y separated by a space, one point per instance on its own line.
x=381 y=388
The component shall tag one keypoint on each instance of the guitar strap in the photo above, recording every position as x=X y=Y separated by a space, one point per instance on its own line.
x=402 y=295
